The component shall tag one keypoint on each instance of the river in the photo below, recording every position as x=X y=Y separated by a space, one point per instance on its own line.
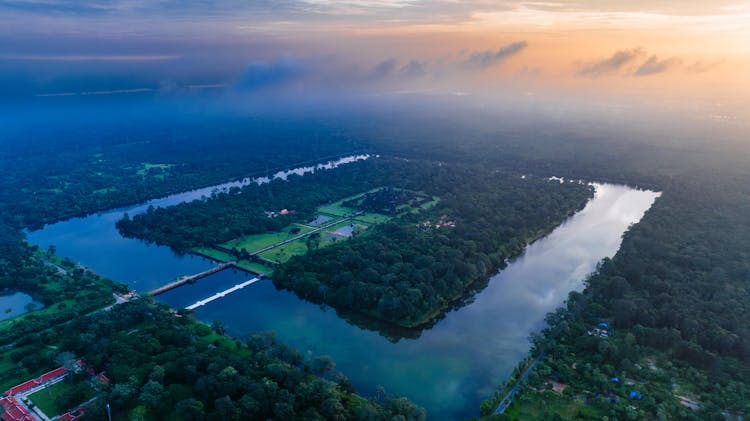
x=448 y=369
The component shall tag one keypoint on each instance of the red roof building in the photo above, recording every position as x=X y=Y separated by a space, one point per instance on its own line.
x=70 y=417
x=61 y=371
x=102 y=377
x=14 y=411
x=30 y=384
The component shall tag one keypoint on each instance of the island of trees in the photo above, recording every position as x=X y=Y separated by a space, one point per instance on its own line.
x=405 y=271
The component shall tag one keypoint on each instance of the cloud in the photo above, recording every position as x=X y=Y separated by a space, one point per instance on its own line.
x=704 y=66
x=653 y=66
x=413 y=69
x=263 y=74
x=613 y=64
x=485 y=59
x=630 y=63
x=384 y=69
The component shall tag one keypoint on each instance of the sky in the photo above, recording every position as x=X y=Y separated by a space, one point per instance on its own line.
x=657 y=51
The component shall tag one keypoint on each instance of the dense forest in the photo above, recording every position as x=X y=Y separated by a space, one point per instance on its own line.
x=676 y=300
x=676 y=293
x=407 y=271
x=118 y=154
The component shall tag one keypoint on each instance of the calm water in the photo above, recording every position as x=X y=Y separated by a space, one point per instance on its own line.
x=449 y=369
x=95 y=242
x=16 y=303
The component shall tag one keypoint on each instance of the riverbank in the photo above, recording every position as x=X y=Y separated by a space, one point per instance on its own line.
x=401 y=244
x=449 y=367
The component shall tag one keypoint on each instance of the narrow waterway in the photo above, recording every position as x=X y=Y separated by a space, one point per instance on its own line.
x=95 y=242
x=448 y=369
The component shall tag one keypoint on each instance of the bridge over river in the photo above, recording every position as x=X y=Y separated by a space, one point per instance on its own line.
x=189 y=279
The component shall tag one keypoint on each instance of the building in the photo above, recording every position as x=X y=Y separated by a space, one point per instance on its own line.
x=14 y=410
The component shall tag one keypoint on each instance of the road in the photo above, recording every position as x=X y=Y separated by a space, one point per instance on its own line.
x=513 y=390
x=189 y=279
x=56 y=266
x=297 y=237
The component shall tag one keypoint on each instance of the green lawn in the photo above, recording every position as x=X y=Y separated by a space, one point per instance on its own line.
x=242 y=264
x=214 y=254
x=145 y=167
x=54 y=308
x=372 y=218
x=337 y=209
x=297 y=248
x=104 y=190
x=425 y=206
x=283 y=253
x=45 y=398
x=535 y=404
x=255 y=242
x=255 y=267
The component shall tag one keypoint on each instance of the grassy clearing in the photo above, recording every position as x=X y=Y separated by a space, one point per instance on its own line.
x=57 y=286
x=282 y=253
x=425 y=206
x=104 y=190
x=242 y=264
x=255 y=242
x=46 y=398
x=213 y=254
x=285 y=252
x=372 y=218
x=255 y=267
x=337 y=209
x=49 y=310
x=147 y=167
x=536 y=404
x=299 y=247
x=227 y=342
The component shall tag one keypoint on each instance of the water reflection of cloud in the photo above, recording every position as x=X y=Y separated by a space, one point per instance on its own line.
x=517 y=299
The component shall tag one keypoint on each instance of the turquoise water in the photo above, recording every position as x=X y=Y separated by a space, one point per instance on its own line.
x=448 y=368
